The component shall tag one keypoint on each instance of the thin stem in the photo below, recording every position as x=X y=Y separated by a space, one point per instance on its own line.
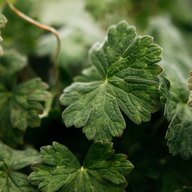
x=57 y=50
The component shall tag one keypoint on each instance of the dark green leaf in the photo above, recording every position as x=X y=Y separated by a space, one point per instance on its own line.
x=11 y=160
x=102 y=171
x=88 y=74
x=19 y=105
x=127 y=67
x=3 y=20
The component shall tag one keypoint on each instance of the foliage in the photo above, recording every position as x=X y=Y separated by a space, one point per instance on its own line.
x=120 y=90
x=3 y=21
x=12 y=160
x=61 y=171
x=126 y=66
x=19 y=104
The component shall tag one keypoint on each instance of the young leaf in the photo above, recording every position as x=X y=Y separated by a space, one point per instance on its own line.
x=102 y=171
x=190 y=87
x=3 y=21
x=11 y=160
x=127 y=67
x=20 y=102
x=185 y=189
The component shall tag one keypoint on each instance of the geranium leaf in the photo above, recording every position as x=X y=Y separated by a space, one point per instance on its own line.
x=11 y=160
x=179 y=132
x=102 y=171
x=19 y=105
x=88 y=74
x=128 y=71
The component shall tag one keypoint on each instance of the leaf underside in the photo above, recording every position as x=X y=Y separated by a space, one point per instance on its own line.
x=127 y=70
x=11 y=160
x=102 y=171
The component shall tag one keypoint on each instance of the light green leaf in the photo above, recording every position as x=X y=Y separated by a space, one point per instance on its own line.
x=11 y=160
x=174 y=92
x=185 y=189
x=22 y=101
x=102 y=171
x=127 y=67
x=3 y=21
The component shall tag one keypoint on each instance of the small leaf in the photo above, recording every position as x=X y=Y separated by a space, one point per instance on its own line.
x=128 y=71
x=19 y=105
x=101 y=171
x=3 y=20
x=11 y=160
x=179 y=132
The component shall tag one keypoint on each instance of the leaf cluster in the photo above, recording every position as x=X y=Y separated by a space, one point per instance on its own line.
x=122 y=94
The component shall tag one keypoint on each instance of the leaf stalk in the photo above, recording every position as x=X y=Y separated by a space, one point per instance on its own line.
x=57 y=50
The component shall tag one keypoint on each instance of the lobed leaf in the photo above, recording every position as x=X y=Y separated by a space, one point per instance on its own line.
x=3 y=21
x=11 y=160
x=60 y=170
x=128 y=71
x=173 y=89
x=19 y=105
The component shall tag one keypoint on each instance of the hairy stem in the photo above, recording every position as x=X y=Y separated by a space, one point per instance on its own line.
x=57 y=50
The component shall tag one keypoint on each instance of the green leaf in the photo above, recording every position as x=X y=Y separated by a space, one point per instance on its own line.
x=19 y=105
x=11 y=160
x=127 y=67
x=3 y=21
x=174 y=92
x=102 y=171
x=185 y=189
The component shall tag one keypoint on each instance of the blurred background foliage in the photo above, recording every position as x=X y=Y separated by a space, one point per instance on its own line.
x=80 y=23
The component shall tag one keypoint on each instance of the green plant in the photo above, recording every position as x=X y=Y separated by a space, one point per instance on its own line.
x=113 y=98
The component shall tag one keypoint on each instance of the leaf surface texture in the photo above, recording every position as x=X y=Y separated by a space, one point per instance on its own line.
x=102 y=170
x=126 y=65
x=11 y=160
